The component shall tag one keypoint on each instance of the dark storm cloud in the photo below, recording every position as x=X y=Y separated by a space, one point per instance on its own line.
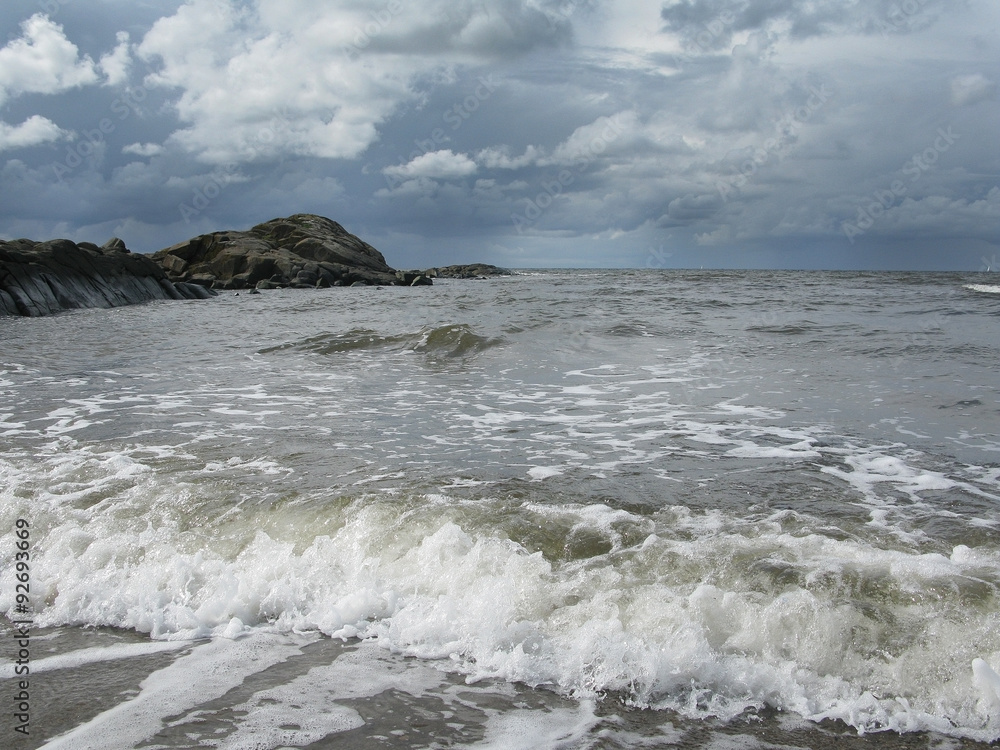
x=546 y=132
x=710 y=24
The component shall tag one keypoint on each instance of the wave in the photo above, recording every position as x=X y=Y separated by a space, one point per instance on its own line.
x=788 y=330
x=709 y=614
x=985 y=288
x=804 y=327
x=635 y=329
x=442 y=342
x=963 y=404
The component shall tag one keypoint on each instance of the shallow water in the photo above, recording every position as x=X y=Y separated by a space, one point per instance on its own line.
x=562 y=509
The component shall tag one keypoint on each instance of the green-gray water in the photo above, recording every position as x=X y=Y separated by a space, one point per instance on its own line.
x=562 y=509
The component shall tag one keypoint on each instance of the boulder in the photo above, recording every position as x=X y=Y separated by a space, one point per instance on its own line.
x=406 y=278
x=309 y=275
x=174 y=264
x=206 y=280
x=115 y=245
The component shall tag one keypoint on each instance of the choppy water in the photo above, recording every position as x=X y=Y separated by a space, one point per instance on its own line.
x=563 y=509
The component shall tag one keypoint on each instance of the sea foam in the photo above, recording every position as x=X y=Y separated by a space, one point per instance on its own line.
x=706 y=614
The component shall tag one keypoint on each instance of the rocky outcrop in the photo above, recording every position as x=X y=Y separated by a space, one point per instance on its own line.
x=301 y=251
x=42 y=278
x=470 y=271
x=414 y=278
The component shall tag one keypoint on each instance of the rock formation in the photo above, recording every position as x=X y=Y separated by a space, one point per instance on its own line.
x=41 y=278
x=301 y=251
x=470 y=271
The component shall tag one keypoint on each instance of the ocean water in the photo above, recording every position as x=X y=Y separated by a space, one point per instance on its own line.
x=564 y=509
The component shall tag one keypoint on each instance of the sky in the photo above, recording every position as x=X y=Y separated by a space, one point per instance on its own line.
x=828 y=134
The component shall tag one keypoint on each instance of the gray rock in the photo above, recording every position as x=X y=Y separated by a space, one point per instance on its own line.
x=308 y=276
x=406 y=278
x=193 y=291
x=172 y=264
x=469 y=271
x=115 y=245
x=303 y=250
x=42 y=278
x=202 y=279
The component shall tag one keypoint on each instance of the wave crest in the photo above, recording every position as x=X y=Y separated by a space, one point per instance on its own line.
x=453 y=341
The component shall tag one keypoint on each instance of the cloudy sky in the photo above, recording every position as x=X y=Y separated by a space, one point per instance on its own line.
x=581 y=133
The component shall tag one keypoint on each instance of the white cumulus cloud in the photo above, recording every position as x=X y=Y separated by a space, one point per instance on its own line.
x=34 y=131
x=143 y=149
x=498 y=157
x=43 y=61
x=436 y=165
x=274 y=78
x=115 y=65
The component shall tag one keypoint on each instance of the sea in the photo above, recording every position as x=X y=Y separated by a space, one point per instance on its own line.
x=559 y=509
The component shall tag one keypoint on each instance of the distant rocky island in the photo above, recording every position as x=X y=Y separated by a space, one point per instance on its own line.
x=470 y=271
x=303 y=251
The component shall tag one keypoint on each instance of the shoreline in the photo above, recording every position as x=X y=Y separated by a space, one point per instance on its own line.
x=368 y=696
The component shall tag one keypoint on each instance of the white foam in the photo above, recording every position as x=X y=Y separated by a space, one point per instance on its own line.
x=208 y=672
x=988 y=682
x=80 y=657
x=749 y=449
x=544 y=472
x=871 y=468
x=639 y=618
x=290 y=719
x=677 y=608
x=986 y=288
x=583 y=390
x=305 y=709
x=556 y=729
